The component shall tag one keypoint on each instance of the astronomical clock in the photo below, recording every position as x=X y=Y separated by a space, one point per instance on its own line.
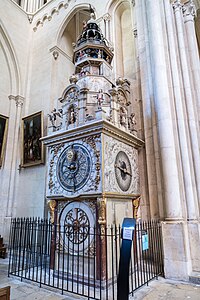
x=92 y=141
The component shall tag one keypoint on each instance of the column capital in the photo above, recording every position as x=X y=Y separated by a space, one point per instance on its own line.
x=177 y=5
x=106 y=17
x=189 y=11
x=19 y=100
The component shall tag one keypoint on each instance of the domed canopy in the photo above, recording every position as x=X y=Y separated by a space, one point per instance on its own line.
x=91 y=44
x=91 y=33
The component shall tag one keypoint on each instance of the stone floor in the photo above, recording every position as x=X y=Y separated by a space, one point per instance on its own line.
x=161 y=289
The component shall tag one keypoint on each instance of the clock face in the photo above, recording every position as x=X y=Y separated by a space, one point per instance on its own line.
x=74 y=167
x=123 y=171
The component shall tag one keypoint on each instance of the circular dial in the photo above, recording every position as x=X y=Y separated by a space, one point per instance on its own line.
x=123 y=171
x=77 y=222
x=74 y=166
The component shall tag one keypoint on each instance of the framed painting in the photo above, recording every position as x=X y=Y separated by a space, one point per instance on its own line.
x=3 y=136
x=32 y=147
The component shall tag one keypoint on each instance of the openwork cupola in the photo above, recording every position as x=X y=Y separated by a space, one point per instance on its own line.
x=91 y=46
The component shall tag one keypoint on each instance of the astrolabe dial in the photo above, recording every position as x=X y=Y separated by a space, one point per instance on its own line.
x=74 y=167
x=123 y=172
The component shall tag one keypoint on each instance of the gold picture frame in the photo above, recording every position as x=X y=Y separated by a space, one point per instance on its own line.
x=32 y=147
x=3 y=136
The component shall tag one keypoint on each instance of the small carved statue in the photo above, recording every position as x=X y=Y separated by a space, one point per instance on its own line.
x=53 y=116
x=52 y=206
x=72 y=116
x=123 y=116
x=99 y=54
x=132 y=122
x=99 y=98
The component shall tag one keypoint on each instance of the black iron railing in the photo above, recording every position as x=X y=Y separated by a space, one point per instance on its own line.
x=82 y=260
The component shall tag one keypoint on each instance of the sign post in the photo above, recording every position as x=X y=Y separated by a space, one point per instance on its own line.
x=128 y=227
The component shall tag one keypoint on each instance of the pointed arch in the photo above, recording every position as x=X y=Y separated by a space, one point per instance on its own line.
x=10 y=57
x=122 y=13
x=76 y=9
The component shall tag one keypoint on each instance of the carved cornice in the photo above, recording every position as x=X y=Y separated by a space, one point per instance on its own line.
x=101 y=126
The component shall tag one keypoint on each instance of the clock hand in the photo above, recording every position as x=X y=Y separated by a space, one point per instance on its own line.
x=71 y=167
x=124 y=170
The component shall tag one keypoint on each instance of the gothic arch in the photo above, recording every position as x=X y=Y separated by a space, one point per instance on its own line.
x=67 y=31
x=123 y=38
x=12 y=64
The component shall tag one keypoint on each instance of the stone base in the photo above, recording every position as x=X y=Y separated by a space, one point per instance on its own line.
x=195 y=278
x=194 y=238
x=177 y=258
x=6 y=229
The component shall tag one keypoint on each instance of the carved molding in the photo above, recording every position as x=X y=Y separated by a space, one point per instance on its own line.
x=177 y=5
x=101 y=206
x=92 y=141
x=54 y=150
x=30 y=18
x=48 y=17
x=189 y=9
x=55 y=54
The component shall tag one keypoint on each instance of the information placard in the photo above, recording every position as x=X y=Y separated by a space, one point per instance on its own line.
x=145 y=242
x=128 y=233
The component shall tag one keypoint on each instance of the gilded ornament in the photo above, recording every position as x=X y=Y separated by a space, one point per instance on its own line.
x=52 y=205
x=136 y=204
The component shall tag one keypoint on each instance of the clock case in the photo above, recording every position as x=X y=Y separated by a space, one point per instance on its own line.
x=96 y=113
x=103 y=141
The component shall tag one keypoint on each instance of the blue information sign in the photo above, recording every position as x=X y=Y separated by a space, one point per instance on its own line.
x=145 y=242
x=128 y=228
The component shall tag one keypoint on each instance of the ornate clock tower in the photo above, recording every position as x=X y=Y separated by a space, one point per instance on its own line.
x=92 y=144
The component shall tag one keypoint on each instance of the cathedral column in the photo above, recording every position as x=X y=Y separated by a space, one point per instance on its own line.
x=148 y=109
x=15 y=147
x=181 y=115
x=106 y=19
x=190 y=72
x=191 y=108
x=166 y=134
x=176 y=264
x=188 y=15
